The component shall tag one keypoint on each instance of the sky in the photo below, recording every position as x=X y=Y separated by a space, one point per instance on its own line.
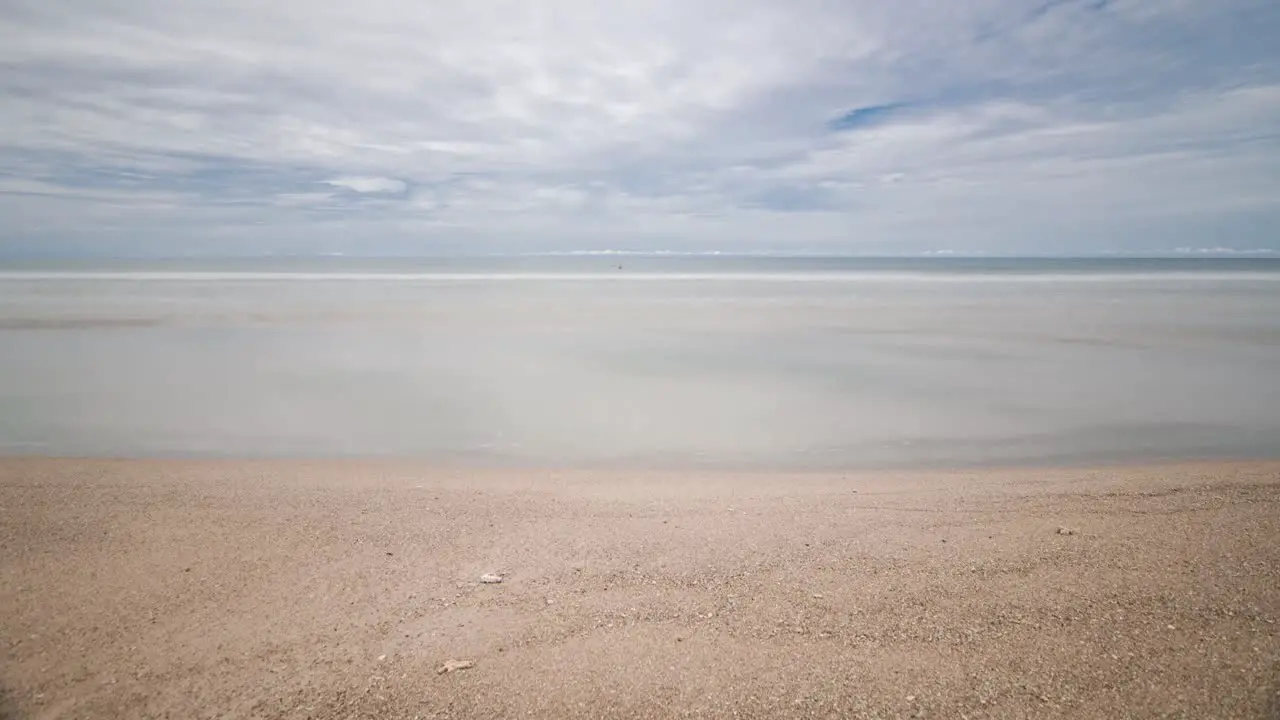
x=423 y=127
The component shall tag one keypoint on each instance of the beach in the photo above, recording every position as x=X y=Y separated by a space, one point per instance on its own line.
x=341 y=589
x=563 y=360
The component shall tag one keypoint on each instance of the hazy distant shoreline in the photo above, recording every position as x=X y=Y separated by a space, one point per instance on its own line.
x=942 y=263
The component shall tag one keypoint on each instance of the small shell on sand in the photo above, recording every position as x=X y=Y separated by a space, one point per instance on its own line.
x=455 y=665
x=491 y=578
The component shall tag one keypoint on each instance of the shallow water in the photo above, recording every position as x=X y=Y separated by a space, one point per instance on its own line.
x=665 y=361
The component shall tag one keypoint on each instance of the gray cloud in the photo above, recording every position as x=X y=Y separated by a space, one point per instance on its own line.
x=395 y=126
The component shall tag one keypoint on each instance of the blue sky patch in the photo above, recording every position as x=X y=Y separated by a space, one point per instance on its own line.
x=865 y=117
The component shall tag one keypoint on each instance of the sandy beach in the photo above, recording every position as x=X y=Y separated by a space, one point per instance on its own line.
x=274 y=589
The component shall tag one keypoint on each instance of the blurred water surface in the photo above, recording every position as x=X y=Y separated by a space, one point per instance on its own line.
x=658 y=361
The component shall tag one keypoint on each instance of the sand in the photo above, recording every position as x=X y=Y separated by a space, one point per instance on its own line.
x=191 y=589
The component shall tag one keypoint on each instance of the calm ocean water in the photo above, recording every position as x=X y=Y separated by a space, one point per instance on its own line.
x=672 y=361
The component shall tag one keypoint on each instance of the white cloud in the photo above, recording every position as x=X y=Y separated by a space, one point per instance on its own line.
x=368 y=184
x=1224 y=251
x=1025 y=125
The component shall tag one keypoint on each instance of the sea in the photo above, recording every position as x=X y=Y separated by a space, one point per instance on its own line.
x=645 y=361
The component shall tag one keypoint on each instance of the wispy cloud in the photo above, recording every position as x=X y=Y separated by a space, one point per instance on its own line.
x=368 y=184
x=997 y=125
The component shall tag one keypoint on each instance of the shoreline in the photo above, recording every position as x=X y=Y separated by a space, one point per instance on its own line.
x=337 y=588
x=439 y=463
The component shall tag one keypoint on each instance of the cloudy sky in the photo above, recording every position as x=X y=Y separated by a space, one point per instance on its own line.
x=846 y=126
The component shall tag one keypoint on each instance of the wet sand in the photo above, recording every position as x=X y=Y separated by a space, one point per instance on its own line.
x=191 y=589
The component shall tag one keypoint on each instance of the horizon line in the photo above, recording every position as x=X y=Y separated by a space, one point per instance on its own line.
x=1178 y=254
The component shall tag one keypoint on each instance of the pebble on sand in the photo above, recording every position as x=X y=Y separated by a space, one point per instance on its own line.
x=491 y=578
x=455 y=665
x=1066 y=531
